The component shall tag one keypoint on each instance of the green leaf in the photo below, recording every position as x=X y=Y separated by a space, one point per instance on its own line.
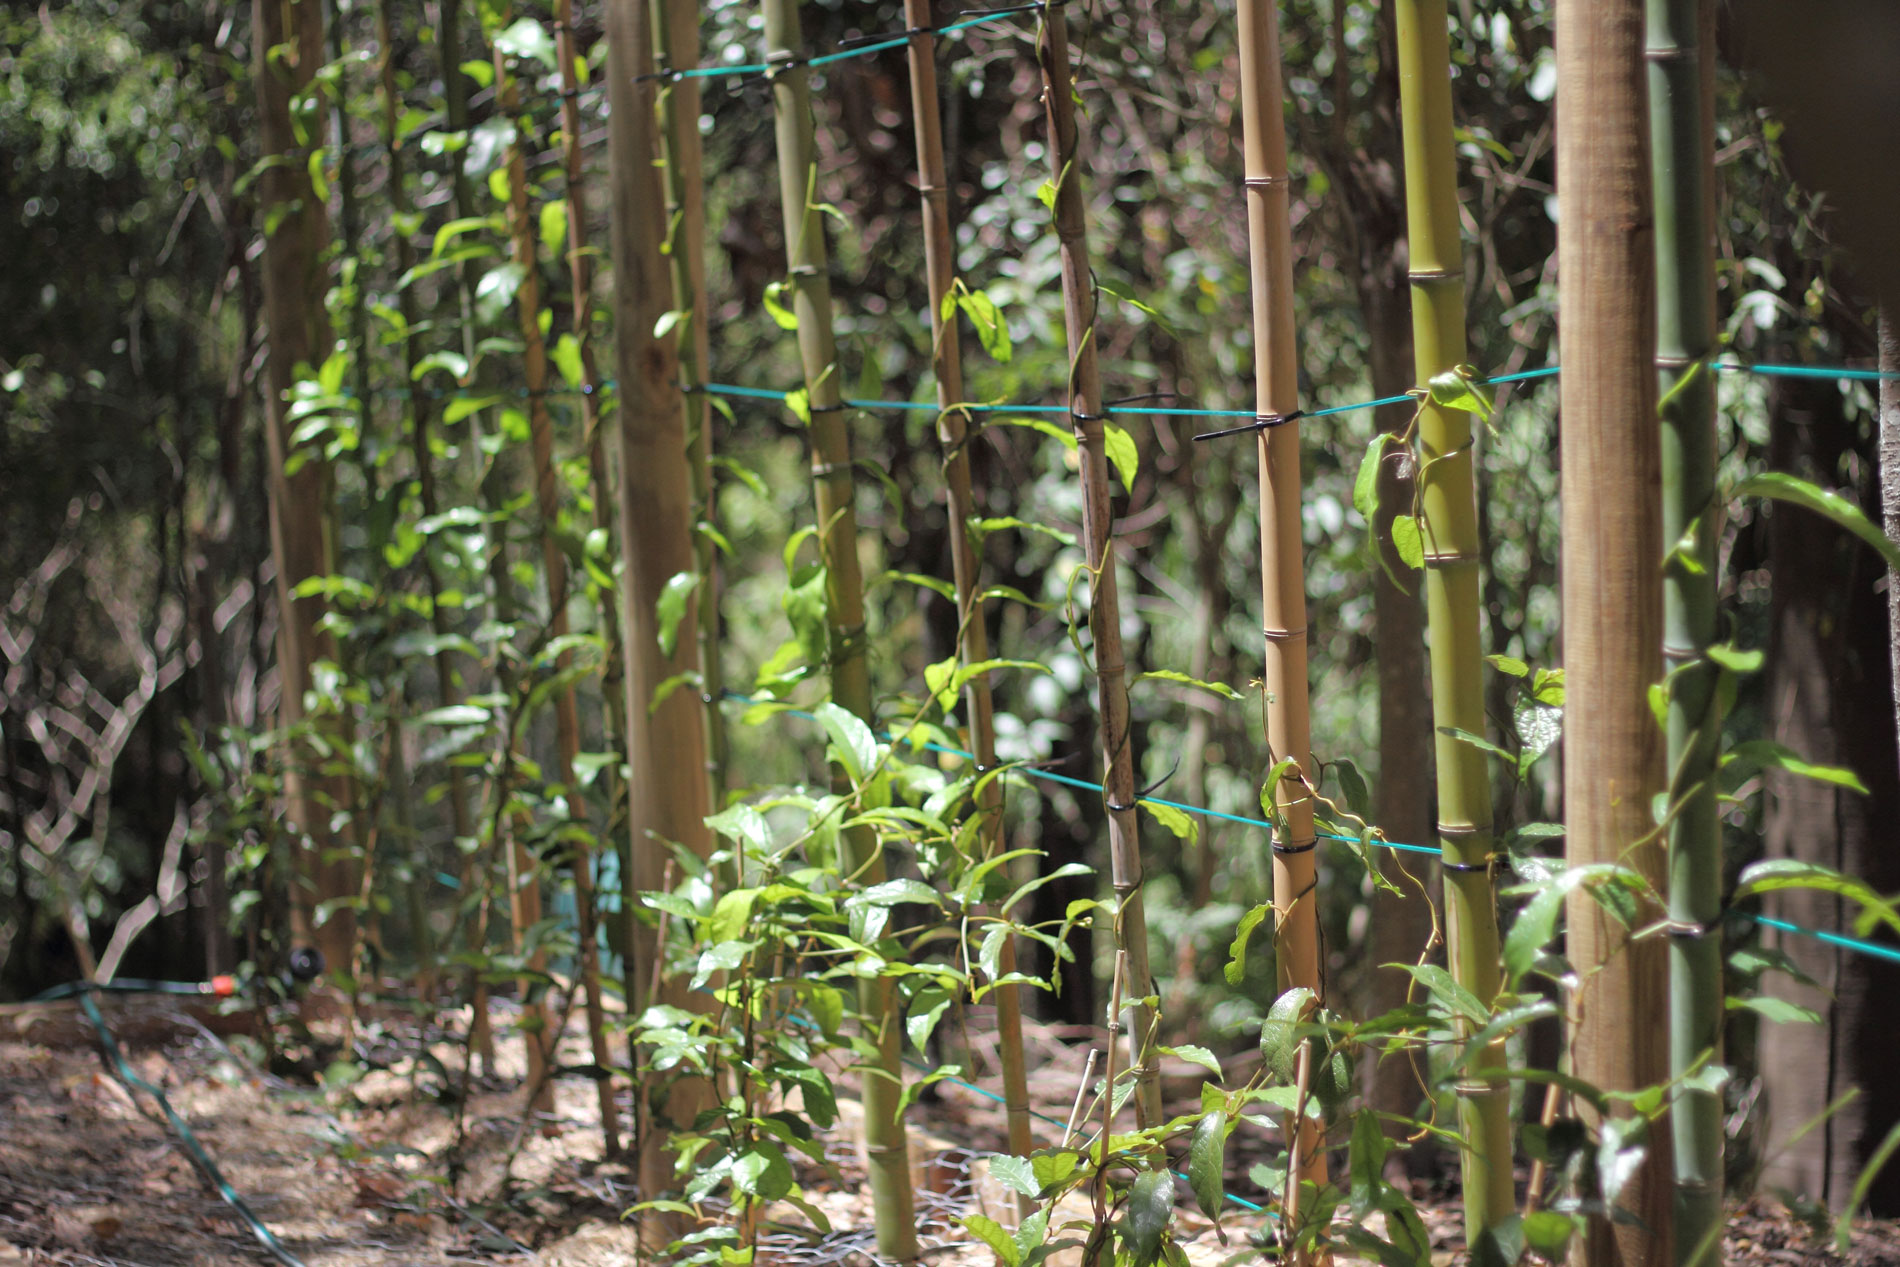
x=1176 y=821
x=853 y=741
x=786 y=319
x=1365 y=485
x=1781 y=486
x=1735 y=659
x=1407 y=540
x=1766 y=752
x=980 y=528
x=925 y=1011
x=566 y=355
x=1171 y=675
x=1774 y=874
x=1280 y=1035
x=991 y=1233
x=1366 y=1162
x=742 y=824
x=762 y=1172
x=1479 y=742
x=1459 y=389
x=1046 y=194
x=1207 y=1163
x=554 y=226
x=731 y=915
x=1150 y=1210
x=992 y=331
x=1122 y=454
x=527 y=38
x=1050 y=429
x=1236 y=969
x=1195 y=1056
x=1017 y=1174
x=1549 y=1232
x=1510 y=665
x=671 y=608
x=1773 y=1009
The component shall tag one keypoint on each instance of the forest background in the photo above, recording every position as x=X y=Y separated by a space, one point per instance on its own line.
x=139 y=620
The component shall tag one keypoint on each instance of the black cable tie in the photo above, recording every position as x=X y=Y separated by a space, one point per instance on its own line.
x=1261 y=422
x=827 y=409
x=1468 y=867
x=852 y=41
x=1156 y=786
x=1119 y=808
x=1079 y=416
x=997 y=13
x=1131 y=400
x=1308 y=847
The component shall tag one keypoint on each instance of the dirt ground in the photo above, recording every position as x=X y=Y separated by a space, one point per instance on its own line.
x=383 y=1171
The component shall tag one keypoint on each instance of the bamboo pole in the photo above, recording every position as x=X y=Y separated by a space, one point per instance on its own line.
x=581 y=271
x=886 y=1142
x=667 y=790
x=1088 y=413
x=460 y=821
x=676 y=37
x=1282 y=582
x=1612 y=583
x=302 y=525
x=1680 y=52
x=1449 y=525
x=455 y=106
x=953 y=435
x=524 y=885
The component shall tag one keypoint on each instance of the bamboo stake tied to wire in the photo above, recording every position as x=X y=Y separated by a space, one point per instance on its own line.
x=1088 y=414
x=1449 y=525
x=831 y=467
x=953 y=434
x=1282 y=578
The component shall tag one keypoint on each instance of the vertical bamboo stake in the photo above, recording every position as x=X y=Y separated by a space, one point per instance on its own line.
x=455 y=106
x=524 y=886
x=831 y=469
x=676 y=37
x=460 y=821
x=1612 y=582
x=580 y=268
x=1681 y=50
x=953 y=434
x=667 y=791
x=1282 y=581
x=1087 y=414
x=301 y=515
x=1449 y=524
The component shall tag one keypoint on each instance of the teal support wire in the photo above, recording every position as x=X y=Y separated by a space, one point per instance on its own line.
x=186 y=1136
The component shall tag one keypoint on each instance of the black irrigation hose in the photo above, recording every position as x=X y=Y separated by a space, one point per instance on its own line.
x=221 y=987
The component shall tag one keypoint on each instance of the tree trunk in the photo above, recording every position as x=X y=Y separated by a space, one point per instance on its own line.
x=1612 y=583
x=301 y=504
x=1829 y=699
x=667 y=794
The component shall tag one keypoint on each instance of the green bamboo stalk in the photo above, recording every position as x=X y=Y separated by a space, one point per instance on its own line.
x=1681 y=51
x=1087 y=413
x=554 y=561
x=676 y=36
x=1612 y=588
x=1282 y=581
x=1449 y=525
x=953 y=435
x=885 y=1139
x=668 y=794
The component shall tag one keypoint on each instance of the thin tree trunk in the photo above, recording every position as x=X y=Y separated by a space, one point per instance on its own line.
x=1449 y=525
x=676 y=37
x=667 y=789
x=301 y=510
x=953 y=434
x=1088 y=413
x=1681 y=55
x=1612 y=584
x=1282 y=575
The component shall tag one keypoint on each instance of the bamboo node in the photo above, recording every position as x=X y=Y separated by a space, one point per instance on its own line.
x=825 y=470
x=1266 y=182
x=1284 y=635
x=1451 y=559
x=1688 y=928
x=1470 y=868
x=1435 y=276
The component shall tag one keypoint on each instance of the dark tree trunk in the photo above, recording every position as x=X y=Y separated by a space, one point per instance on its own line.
x=1830 y=699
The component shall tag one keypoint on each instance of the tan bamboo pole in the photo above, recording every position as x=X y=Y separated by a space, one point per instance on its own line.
x=1612 y=584
x=1088 y=413
x=302 y=524
x=676 y=36
x=1449 y=521
x=667 y=791
x=1282 y=580
x=953 y=435
x=524 y=886
x=886 y=1142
